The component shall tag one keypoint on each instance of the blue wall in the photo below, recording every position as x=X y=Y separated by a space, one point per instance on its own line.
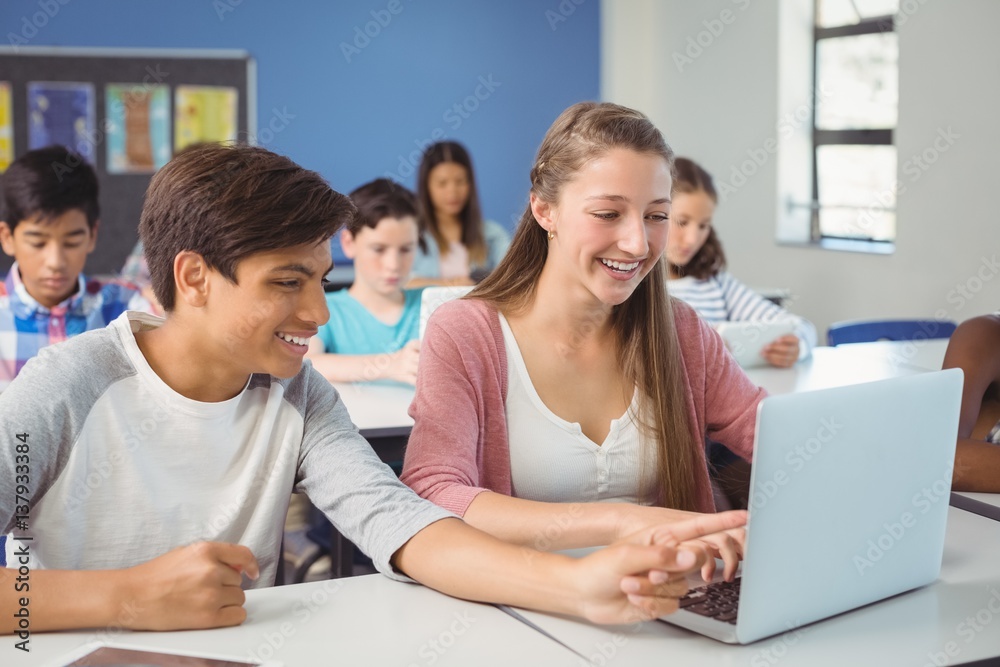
x=367 y=112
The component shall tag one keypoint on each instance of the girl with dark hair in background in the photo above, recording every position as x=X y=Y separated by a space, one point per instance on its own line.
x=461 y=247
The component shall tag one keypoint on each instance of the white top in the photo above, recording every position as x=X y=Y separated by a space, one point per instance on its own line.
x=124 y=469
x=551 y=460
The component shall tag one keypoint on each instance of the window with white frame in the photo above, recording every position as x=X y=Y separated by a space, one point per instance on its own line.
x=856 y=79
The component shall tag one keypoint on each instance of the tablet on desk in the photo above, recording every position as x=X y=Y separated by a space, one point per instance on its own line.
x=100 y=653
x=746 y=340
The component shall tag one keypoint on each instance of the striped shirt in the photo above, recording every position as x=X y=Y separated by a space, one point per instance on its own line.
x=723 y=298
x=26 y=326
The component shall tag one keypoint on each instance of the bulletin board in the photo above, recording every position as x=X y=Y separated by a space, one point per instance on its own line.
x=131 y=109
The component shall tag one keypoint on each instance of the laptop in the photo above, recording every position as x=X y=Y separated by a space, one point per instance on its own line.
x=848 y=505
x=432 y=297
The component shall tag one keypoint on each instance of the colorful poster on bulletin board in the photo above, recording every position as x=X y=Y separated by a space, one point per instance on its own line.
x=62 y=113
x=137 y=129
x=204 y=113
x=6 y=127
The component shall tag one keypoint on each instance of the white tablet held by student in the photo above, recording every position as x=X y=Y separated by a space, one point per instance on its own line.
x=746 y=340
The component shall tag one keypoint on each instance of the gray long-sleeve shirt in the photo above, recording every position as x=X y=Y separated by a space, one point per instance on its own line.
x=121 y=469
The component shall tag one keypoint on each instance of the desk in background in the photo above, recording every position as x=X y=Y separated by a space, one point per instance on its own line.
x=833 y=367
x=378 y=409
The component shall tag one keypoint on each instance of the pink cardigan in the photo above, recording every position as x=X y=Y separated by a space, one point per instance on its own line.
x=459 y=448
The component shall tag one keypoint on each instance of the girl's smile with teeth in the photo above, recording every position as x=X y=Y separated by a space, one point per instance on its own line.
x=619 y=266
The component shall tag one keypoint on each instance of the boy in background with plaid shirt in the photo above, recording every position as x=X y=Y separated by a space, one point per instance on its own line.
x=48 y=224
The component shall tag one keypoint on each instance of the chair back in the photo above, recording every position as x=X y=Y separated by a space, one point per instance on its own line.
x=867 y=331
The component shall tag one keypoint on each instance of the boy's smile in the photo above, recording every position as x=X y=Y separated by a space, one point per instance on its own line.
x=265 y=321
x=50 y=254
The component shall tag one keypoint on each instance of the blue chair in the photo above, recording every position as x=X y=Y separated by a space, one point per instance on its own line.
x=867 y=331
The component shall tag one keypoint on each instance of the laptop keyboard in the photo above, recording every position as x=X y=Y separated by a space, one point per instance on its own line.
x=719 y=600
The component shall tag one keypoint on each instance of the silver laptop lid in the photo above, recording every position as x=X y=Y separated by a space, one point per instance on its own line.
x=849 y=498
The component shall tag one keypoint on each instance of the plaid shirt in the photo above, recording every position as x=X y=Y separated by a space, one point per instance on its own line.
x=26 y=326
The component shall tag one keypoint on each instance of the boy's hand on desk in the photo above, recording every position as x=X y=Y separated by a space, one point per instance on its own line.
x=192 y=587
x=782 y=352
x=403 y=366
x=647 y=570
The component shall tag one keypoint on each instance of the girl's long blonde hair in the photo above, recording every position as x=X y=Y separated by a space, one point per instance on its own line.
x=643 y=326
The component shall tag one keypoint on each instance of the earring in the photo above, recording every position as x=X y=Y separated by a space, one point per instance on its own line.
x=551 y=235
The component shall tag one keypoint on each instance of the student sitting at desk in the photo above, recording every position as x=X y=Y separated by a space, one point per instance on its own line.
x=565 y=401
x=460 y=247
x=49 y=225
x=374 y=324
x=159 y=454
x=975 y=348
x=697 y=269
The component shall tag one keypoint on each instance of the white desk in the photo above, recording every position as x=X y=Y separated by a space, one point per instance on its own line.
x=924 y=354
x=379 y=410
x=904 y=630
x=368 y=620
x=835 y=367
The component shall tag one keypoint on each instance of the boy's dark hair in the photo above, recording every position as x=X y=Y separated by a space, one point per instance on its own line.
x=227 y=202
x=48 y=182
x=379 y=199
